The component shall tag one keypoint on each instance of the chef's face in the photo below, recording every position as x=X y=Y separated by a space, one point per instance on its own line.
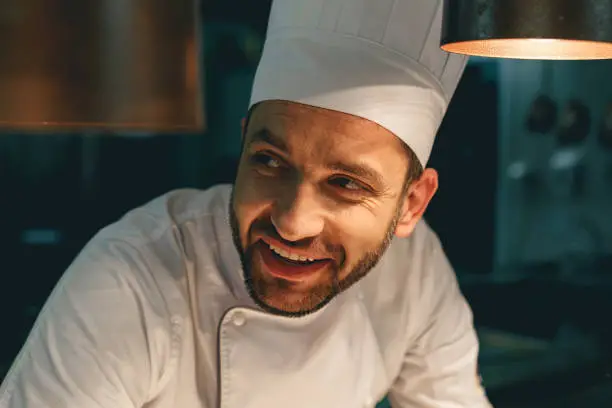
x=318 y=197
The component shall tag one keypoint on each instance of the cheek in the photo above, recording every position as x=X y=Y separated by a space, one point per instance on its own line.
x=364 y=229
x=251 y=201
x=253 y=188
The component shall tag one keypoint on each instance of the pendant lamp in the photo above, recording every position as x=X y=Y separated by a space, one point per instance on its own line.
x=529 y=29
x=108 y=64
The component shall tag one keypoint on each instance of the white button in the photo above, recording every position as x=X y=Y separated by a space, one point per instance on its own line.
x=360 y=296
x=369 y=402
x=176 y=320
x=238 y=319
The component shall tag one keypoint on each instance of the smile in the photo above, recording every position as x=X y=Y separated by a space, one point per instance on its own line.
x=284 y=264
x=290 y=256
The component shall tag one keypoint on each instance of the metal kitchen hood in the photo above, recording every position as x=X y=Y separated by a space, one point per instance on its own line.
x=100 y=64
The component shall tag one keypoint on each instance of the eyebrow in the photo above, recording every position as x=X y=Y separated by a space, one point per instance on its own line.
x=264 y=135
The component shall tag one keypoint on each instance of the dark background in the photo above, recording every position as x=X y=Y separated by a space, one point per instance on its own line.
x=523 y=210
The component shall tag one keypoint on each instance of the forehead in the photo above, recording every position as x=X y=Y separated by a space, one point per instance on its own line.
x=326 y=134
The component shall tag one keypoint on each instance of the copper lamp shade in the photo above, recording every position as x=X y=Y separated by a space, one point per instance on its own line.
x=529 y=29
x=110 y=64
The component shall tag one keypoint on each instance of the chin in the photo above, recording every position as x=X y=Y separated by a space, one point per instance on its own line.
x=285 y=298
x=289 y=306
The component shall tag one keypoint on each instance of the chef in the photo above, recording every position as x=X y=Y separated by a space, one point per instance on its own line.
x=312 y=281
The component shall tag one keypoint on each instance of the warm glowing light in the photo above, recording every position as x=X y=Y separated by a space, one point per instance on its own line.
x=545 y=49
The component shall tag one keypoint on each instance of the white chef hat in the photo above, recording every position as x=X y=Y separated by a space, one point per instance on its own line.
x=376 y=59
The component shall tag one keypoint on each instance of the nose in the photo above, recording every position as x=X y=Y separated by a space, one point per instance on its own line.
x=297 y=215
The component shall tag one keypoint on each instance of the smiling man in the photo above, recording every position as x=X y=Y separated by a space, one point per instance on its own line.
x=310 y=220
x=313 y=281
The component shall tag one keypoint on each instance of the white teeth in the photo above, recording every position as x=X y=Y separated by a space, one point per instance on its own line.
x=290 y=256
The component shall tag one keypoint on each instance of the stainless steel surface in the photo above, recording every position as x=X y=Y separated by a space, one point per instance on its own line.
x=529 y=29
x=112 y=64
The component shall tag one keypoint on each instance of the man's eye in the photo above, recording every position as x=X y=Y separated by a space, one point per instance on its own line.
x=266 y=160
x=346 y=184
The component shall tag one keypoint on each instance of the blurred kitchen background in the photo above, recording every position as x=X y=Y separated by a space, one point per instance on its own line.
x=524 y=208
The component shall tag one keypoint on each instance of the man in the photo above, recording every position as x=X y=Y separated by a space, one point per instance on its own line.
x=313 y=282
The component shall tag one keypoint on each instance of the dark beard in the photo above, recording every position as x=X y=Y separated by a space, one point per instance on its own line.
x=317 y=298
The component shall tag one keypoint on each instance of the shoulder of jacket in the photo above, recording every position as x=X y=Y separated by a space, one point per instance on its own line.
x=155 y=218
x=143 y=246
x=137 y=260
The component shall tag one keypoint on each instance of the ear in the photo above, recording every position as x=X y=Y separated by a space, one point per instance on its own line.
x=416 y=201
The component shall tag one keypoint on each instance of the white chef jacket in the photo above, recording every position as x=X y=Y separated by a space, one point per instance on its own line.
x=154 y=313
